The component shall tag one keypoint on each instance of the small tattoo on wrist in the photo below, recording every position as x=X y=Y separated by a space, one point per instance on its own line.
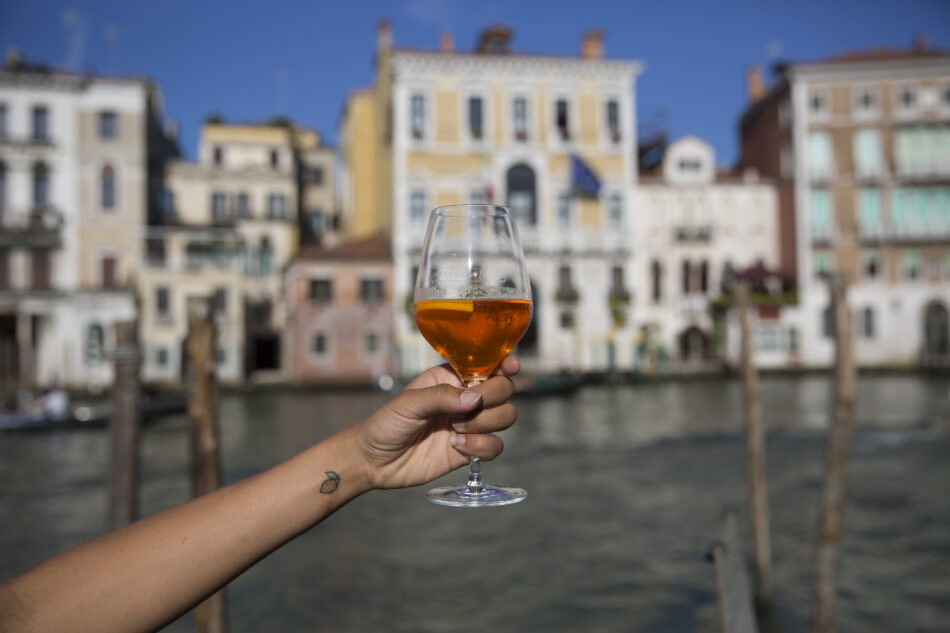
x=330 y=484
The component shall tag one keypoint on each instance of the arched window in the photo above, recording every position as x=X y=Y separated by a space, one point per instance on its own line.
x=107 y=187
x=522 y=194
x=40 y=185
x=266 y=257
x=94 y=341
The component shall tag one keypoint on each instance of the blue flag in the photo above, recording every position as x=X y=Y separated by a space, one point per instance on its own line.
x=584 y=181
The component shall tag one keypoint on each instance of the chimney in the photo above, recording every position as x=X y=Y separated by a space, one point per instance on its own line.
x=384 y=36
x=921 y=43
x=494 y=40
x=446 y=44
x=754 y=84
x=13 y=57
x=592 y=44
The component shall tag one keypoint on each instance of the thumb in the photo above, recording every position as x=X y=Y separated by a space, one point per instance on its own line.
x=421 y=404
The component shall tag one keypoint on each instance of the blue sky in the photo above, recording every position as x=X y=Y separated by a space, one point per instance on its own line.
x=256 y=60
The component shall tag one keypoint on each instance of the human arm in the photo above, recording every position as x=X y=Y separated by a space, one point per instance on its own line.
x=145 y=575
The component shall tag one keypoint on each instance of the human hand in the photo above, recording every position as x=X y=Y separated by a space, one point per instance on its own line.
x=434 y=425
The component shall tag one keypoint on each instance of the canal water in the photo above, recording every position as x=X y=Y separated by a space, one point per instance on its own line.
x=626 y=486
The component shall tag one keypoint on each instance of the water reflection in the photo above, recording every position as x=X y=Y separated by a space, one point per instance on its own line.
x=625 y=489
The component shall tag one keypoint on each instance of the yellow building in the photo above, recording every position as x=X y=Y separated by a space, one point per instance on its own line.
x=228 y=225
x=444 y=127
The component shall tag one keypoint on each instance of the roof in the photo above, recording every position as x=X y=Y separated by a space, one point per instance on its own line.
x=369 y=248
x=882 y=54
x=15 y=65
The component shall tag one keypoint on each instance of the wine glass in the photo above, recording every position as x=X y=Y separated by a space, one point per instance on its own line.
x=472 y=303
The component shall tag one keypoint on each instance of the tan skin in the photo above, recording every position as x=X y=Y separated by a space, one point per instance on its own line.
x=144 y=576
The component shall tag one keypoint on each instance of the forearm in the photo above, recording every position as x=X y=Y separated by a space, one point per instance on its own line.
x=140 y=577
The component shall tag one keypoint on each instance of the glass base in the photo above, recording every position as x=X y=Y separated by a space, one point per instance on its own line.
x=475 y=497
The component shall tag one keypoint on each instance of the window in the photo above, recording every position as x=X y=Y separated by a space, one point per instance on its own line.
x=371 y=291
x=274 y=159
x=867 y=153
x=866 y=101
x=3 y=120
x=690 y=165
x=870 y=216
x=685 y=277
x=827 y=323
x=613 y=120
x=320 y=291
x=40 y=185
x=656 y=278
x=219 y=302
x=107 y=187
x=944 y=100
x=316 y=175
x=562 y=120
x=265 y=257
x=819 y=155
x=108 y=125
x=40 y=121
x=417 y=113
x=520 y=118
x=320 y=344
x=95 y=340
x=567 y=320
x=417 y=207
x=220 y=355
x=871 y=266
x=822 y=220
x=219 y=206
x=371 y=344
x=564 y=211
x=161 y=356
x=217 y=155
x=912 y=265
x=3 y=186
x=108 y=271
x=4 y=269
x=821 y=265
x=316 y=222
x=704 y=276
x=615 y=211
x=818 y=103
x=162 y=301
x=521 y=194
x=906 y=98
x=276 y=206
x=167 y=202
x=475 y=118
x=867 y=325
x=243 y=205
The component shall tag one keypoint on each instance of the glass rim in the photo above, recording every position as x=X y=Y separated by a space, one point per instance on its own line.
x=464 y=210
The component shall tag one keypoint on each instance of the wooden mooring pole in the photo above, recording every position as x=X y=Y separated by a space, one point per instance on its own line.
x=755 y=456
x=124 y=426
x=210 y=615
x=831 y=521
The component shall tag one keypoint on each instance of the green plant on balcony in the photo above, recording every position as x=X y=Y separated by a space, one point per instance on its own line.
x=567 y=294
x=617 y=302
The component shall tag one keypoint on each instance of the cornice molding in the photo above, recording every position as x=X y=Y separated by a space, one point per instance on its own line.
x=424 y=65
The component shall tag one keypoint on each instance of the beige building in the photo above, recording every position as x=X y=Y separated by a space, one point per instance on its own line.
x=80 y=157
x=860 y=144
x=444 y=126
x=228 y=226
x=339 y=314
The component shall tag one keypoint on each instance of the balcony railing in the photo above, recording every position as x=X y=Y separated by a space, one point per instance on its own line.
x=37 y=228
x=692 y=233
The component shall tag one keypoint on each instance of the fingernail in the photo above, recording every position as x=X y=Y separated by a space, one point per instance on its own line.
x=457 y=440
x=459 y=426
x=468 y=398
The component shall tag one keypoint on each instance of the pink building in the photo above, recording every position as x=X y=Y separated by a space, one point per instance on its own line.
x=339 y=313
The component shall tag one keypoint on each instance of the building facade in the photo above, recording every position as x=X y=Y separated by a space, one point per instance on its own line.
x=339 y=314
x=227 y=227
x=445 y=127
x=696 y=230
x=80 y=156
x=861 y=144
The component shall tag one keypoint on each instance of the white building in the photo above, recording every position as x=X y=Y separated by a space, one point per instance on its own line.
x=695 y=229
x=75 y=187
x=860 y=146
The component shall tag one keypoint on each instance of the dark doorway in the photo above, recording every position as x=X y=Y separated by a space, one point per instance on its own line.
x=693 y=344
x=936 y=333
x=522 y=195
x=266 y=352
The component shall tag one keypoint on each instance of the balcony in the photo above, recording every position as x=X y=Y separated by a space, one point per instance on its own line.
x=37 y=228
x=692 y=233
x=872 y=232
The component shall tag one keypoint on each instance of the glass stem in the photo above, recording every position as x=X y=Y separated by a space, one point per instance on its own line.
x=474 y=484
